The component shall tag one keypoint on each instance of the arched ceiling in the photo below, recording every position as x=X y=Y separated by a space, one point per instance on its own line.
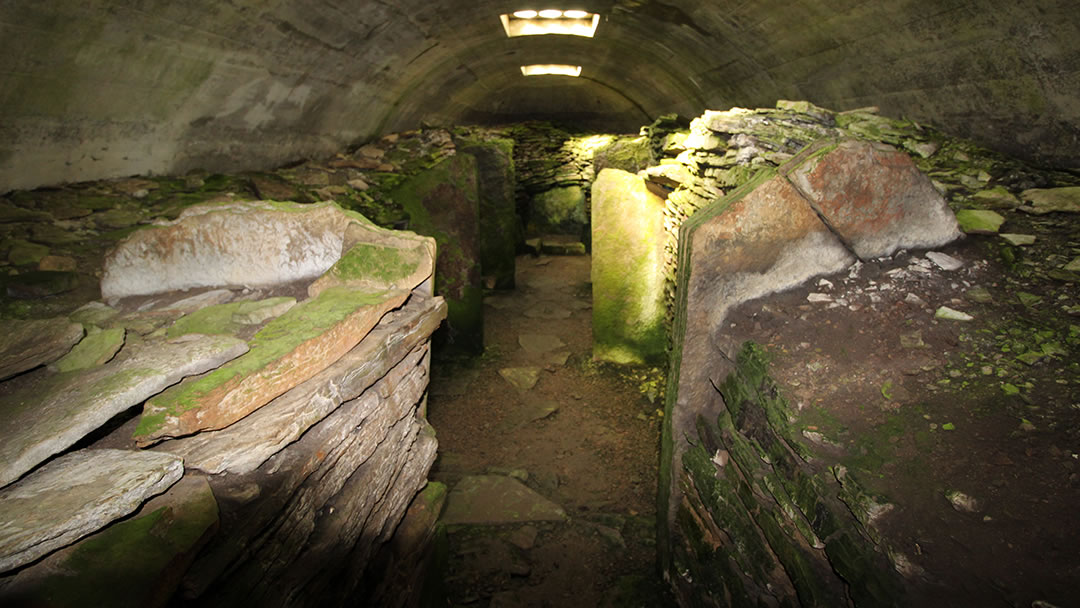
x=104 y=88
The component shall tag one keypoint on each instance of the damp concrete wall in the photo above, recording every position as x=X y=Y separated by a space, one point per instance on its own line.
x=110 y=87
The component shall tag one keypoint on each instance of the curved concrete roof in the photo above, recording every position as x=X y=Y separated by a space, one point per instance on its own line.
x=118 y=87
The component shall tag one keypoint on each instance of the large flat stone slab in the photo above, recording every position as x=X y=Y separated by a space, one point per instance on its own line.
x=1049 y=200
x=28 y=344
x=872 y=196
x=75 y=495
x=40 y=421
x=287 y=351
x=628 y=240
x=226 y=245
x=495 y=499
x=538 y=344
x=244 y=446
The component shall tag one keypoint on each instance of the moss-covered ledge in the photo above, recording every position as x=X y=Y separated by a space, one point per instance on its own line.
x=761 y=520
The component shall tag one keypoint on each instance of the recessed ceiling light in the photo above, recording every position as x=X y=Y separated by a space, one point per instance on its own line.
x=525 y=22
x=551 y=69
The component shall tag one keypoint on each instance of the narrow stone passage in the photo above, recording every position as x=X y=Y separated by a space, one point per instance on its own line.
x=551 y=460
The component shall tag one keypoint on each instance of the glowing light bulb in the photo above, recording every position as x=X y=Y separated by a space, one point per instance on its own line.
x=525 y=14
x=575 y=14
x=551 y=13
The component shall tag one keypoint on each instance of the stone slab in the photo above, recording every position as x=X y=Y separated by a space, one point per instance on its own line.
x=628 y=239
x=75 y=495
x=246 y=445
x=40 y=421
x=495 y=499
x=225 y=245
x=28 y=344
x=135 y=563
x=230 y=318
x=443 y=201
x=287 y=351
x=761 y=238
x=350 y=477
x=872 y=196
x=377 y=260
x=1048 y=200
x=97 y=348
x=979 y=221
x=538 y=344
x=522 y=378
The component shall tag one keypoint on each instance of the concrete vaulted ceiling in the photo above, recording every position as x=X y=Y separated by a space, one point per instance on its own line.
x=103 y=88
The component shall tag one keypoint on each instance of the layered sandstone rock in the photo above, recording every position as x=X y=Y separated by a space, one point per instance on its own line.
x=313 y=409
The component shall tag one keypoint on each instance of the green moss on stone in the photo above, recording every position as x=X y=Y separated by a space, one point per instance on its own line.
x=385 y=264
x=303 y=322
x=220 y=319
x=94 y=350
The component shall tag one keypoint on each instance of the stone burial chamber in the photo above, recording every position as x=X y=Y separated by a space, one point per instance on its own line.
x=241 y=421
x=731 y=460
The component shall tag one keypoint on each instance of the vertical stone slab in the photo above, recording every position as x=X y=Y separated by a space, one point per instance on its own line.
x=762 y=238
x=627 y=270
x=443 y=202
x=500 y=228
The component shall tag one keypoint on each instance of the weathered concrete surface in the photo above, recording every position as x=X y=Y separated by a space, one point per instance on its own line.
x=872 y=196
x=136 y=563
x=40 y=421
x=627 y=270
x=28 y=344
x=287 y=351
x=75 y=495
x=246 y=445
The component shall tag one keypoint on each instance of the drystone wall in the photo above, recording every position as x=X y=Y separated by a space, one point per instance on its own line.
x=555 y=172
x=214 y=437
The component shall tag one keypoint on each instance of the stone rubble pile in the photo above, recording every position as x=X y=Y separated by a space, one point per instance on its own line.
x=265 y=393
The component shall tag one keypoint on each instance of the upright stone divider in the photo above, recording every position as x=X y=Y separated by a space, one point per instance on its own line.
x=627 y=270
x=443 y=202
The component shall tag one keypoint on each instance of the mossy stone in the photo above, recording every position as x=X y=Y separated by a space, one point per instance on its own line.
x=500 y=227
x=281 y=336
x=558 y=211
x=25 y=253
x=979 y=221
x=97 y=348
x=135 y=562
x=222 y=319
x=628 y=239
x=443 y=202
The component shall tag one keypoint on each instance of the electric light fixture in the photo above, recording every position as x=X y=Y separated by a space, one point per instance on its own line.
x=548 y=69
x=531 y=22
